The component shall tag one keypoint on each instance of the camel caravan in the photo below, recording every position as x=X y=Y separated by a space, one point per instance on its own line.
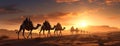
x=27 y=25
x=77 y=31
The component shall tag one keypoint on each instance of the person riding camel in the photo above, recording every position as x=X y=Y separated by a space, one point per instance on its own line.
x=28 y=23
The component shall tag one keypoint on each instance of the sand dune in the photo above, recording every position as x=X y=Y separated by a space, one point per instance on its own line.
x=108 y=39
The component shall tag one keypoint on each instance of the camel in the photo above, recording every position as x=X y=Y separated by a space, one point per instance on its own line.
x=46 y=27
x=59 y=28
x=27 y=25
x=72 y=30
x=84 y=32
x=77 y=30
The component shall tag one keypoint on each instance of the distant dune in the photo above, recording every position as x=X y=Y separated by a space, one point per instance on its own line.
x=104 y=28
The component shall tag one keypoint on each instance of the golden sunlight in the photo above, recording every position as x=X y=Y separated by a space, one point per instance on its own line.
x=83 y=24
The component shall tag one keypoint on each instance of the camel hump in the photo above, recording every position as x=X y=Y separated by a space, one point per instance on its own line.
x=25 y=21
x=72 y=28
x=47 y=24
x=59 y=25
x=28 y=23
x=77 y=29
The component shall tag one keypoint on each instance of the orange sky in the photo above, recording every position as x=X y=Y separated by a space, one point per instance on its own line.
x=67 y=12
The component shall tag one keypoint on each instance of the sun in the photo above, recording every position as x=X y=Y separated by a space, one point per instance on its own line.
x=83 y=24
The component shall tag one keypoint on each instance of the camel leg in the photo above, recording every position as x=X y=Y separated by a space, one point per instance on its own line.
x=30 y=34
x=23 y=33
x=44 y=33
x=60 y=33
x=18 y=32
x=40 y=33
x=49 y=34
x=55 y=32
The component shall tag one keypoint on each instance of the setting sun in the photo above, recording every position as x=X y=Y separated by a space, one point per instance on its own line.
x=83 y=24
x=60 y=22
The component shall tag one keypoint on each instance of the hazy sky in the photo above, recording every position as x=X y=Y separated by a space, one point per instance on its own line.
x=67 y=12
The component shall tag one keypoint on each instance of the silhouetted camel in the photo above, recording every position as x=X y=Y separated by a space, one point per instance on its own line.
x=84 y=32
x=72 y=30
x=46 y=27
x=27 y=25
x=59 y=28
x=77 y=30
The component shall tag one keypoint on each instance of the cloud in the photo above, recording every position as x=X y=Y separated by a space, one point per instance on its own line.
x=100 y=2
x=37 y=18
x=66 y=1
x=112 y=2
x=56 y=16
x=91 y=1
x=9 y=9
x=114 y=17
x=14 y=21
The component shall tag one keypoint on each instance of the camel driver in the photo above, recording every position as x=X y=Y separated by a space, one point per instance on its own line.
x=47 y=24
x=27 y=22
x=30 y=23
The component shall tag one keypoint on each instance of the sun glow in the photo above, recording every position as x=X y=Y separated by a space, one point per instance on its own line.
x=83 y=24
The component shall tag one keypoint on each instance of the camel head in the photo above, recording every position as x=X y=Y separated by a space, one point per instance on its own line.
x=63 y=28
x=38 y=24
x=54 y=26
